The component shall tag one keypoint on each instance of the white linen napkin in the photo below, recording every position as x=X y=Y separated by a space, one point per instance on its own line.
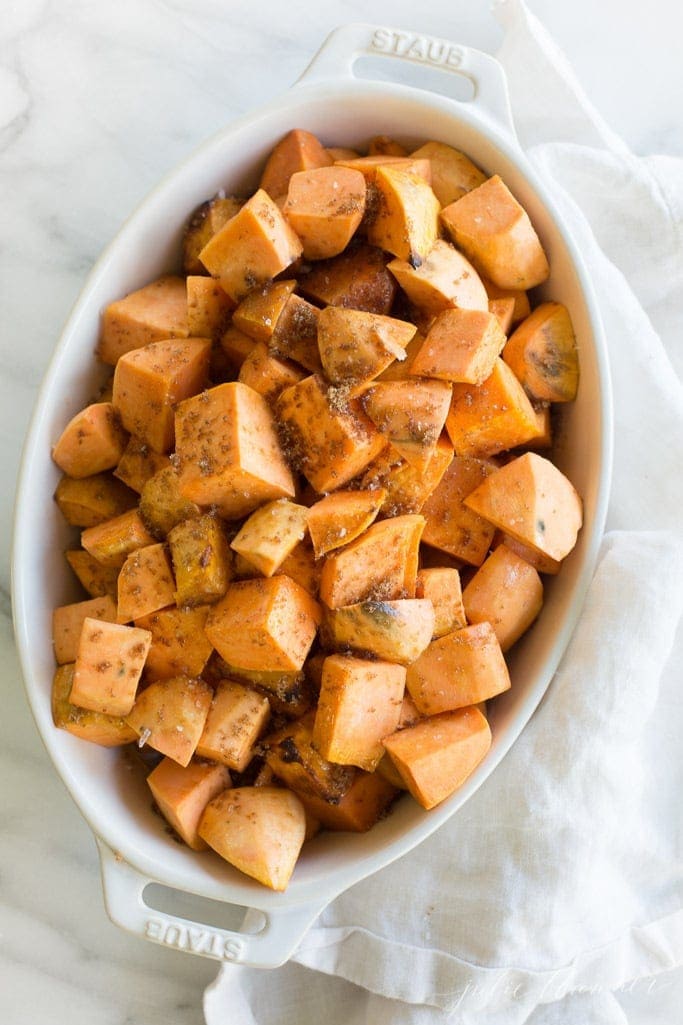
x=561 y=880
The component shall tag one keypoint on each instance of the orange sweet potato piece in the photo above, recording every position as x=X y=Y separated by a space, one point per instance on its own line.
x=267 y=374
x=453 y=174
x=371 y=164
x=270 y=534
x=411 y=415
x=302 y=567
x=400 y=369
x=325 y=206
x=182 y=793
x=503 y=310
x=382 y=145
x=436 y=756
x=203 y=225
x=169 y=715
x=227 y=450
x=236 y=718
x=357 y=346
x=452 y=527
x=459 y=669
x=148 y=383
x=67 y=623
x=521 y=308
x=543 y=356
x=405 y=221
x=441 y=585
x=543 y=563
x=407 y=488
x=162 y=505
x=491 y=417
x=507 y=593
x=108 y=666
x=95 y=578
x=95 y=727
x=326 y=433
x=112 y=541
x=444 y=279
x=293 y=758
x=363 y=804
x=295 y=335
x=201 y=561
x=179 y=645
x=381 y=564
x=359 y=705
x=91 y=442
x=339 y=518
x=395 y=631
x=208 y=307
x=264 y=624
x=234 y=347
x=495 y=232
x=87 y=501
x=260 y=310
x=251 y=248
x=297 y=151
x=259 y=830
x=461 y=345
x=357 y=279
x=533 y=502
x=157 y=311
x=339 y=153
x=146 y=583
x=138 y=463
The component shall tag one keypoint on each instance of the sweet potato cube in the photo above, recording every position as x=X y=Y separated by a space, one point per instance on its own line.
x=383 y=145
x=357 y=279
x=295 y=335
x=339 y=518
x=371 y=164
x=461 y=345
x=325 y=206
x=491 y=417
x=297 y=151
x=380 y=564
x=293 y=758
x=259 y=830
x=451 y=526
x=205 y=221
x=541 y=562
x=342 y=153
x=150 y=314
x=235 y=721
x=453 y=174
x=182 y=793
x=162 y=504
x=364 y=803
x=327 y=435
x=264 y=624
x=201 y=561
x=108 y=666
x=359 y=705
x=146 y=583
x=169 y=715
x=406 y=219
x=436 y=756
x=251 y=248
x=138 y=463
x=149 y=382
x=441 y=585
x=411 y=415
x=112 y=541
x=495 y=232
x=507 y=593
x=396 y=631
x=208 y=307
x=67 y=623
x=234 y=347
x=543 y=356
x=400 y=370
x=357 y=346
x=228 y=452
x=521 y=308
x=444 y=279
x=503 y=310
x=179 y=645
x=91 y=442
x=407 y=488
x=462 y=668
x=92 y=500
x=95 y=578
x=533 y=502
x=259 y=312
x=267 y=374
x=95 y=727
x=271 y=534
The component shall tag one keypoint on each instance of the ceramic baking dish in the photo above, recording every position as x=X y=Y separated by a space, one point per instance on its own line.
x=342 y=109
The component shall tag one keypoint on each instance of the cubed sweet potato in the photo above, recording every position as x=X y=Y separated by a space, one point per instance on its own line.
x=357 y=279
x=150 y=314
x=543 y=563
x=169 y=715
x=91 y=442
x=451 y=526
x=234 y=346
x=441 y=585
x=405 y=220
x=235 y=721
x=302 y=567
x=396 y=631
x=299 y=150
x=203 y=225
x=67 y=623
x=295 y=335
x=364 y=803
x=87 y=501
x=293 y=758
x=410 y=414
x=260 y=310
x=407 y=488
x=182 y=793
x=461 y=345
x=491 y=417
x=201 y=560
x=95 y=727
x=208 y=307
x=444 y=279
x=383 y=145
x=146 y=583
x=356 y=346
x=267 y=374
x=459 y=669
x=179 y=645
x=503 y=310
x=521 y=308
x=507 y=593
x=112 y=541
x=162 y=505
x=339 y=518
x=138 y=463
x=325 y=205
x=95 y=578
x=270 y=534
x=542 y=354
x=453 y=173
x=371 y=164
x=108 y=666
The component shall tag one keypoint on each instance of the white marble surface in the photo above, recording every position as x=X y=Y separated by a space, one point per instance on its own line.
x=97 y=101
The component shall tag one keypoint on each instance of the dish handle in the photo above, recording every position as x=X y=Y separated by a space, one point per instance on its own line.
x=342 y=48
x=265 y=940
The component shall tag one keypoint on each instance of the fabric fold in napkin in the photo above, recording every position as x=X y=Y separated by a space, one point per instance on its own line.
x=561 y=880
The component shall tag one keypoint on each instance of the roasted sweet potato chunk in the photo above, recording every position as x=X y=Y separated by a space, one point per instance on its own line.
x=152 y=313
x=542 y=353
x=299 y=150
x=444 y=279
x=453 y=173
x=357 y=279
x=396 y=631
x=201 y=561
x=183 y=792
x=271 y=534
x=507 y=593
x=356 y=346
x=108 y=666
x=325 y=206
x=236 y=718
x=450 y=525
x=92 y=500
x=91 y=442
x=169 y=715
x=95 y=727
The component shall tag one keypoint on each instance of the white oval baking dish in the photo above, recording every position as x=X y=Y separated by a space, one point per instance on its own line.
x=343 y=110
